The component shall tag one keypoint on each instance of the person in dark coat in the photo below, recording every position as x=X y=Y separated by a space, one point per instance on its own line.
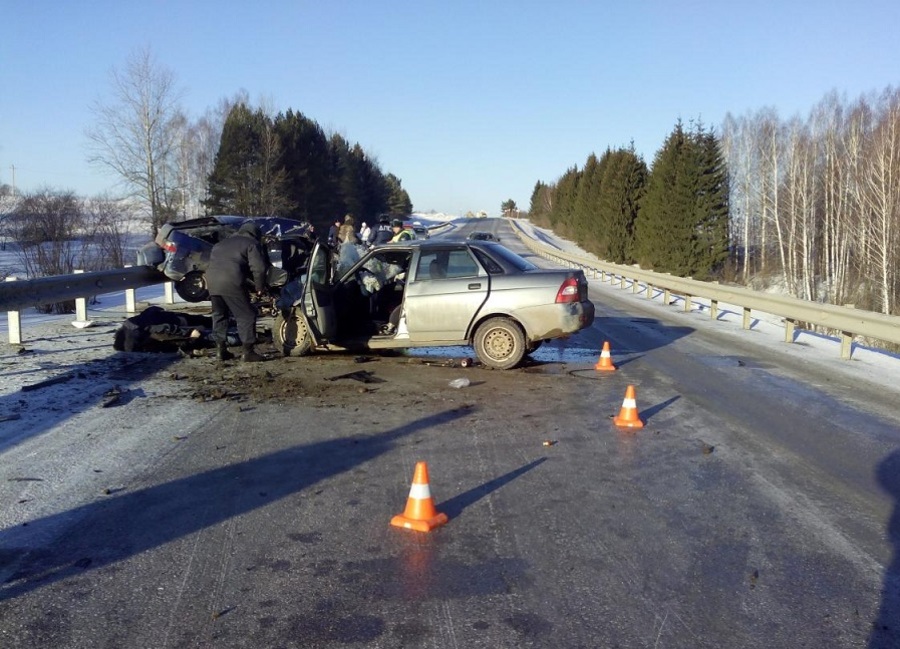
x=383 y=232
x=232 y=263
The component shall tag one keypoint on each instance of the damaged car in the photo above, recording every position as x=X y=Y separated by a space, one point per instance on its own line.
x=431 y=293
x=181 y=249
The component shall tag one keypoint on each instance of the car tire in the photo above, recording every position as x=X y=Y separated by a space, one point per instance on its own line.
x=192 y=287
x=290 y=335
x=499 y=343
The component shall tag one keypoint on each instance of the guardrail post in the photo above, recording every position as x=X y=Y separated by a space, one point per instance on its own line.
x=713 y=309
x=789 y=326
x=666 y=296
x=846 y=345
x=14 y=323
x=687 y=303
x=169 y=288
x=621 y=281
x=634 y=286
x=80 y=307
x=129 y=297
x=746 y=323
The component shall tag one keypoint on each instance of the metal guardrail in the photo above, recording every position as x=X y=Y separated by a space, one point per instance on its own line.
x=24 y=293
x=848 y=321
x=16 y=294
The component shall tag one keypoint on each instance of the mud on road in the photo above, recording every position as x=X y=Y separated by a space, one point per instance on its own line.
x=380 y=383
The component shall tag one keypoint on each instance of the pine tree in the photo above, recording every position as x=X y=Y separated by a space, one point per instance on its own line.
x=306 y=159
x=247 y=178
x=712 y=217
x=562 y=214
x=682 y=226
x=586 y=226
x=541 y=203
x=398 y=202
x=624 y=183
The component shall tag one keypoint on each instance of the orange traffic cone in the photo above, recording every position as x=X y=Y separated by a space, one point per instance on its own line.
x=420 y=514
x=605 y=364
x=628 y=415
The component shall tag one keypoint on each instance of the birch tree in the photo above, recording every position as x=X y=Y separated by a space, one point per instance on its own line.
x=134 y=135
x=881 y=194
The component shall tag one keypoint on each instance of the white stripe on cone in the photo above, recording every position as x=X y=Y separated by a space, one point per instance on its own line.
x=419 y=491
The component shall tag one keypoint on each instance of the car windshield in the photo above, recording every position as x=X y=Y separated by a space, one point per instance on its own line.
x=511 y=258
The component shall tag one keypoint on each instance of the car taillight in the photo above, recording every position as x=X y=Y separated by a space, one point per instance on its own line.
x=568 y=292
x=170 y=247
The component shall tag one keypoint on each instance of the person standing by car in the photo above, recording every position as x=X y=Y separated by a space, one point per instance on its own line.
x=333 y=233
x=347 y=232
x=382 y=233
x=232 y=263
x=364 y=233
x=401 y=233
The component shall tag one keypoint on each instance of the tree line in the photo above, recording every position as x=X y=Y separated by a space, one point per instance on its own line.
x=288 y=166
x=671 y=218
x=816 y=199
x=235 y=159
x=811 y=203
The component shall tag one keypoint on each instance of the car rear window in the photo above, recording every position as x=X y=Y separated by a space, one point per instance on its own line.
x=510 y=258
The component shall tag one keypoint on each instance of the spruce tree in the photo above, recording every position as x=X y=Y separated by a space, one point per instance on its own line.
x=562 y=214
x=683 y=219
x=711 y=242
x=539 y=207
x=585 y=221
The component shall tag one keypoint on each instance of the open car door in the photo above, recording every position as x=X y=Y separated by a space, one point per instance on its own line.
x=317 y=296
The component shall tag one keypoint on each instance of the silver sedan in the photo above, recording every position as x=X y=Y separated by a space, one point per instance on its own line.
x=432 y=293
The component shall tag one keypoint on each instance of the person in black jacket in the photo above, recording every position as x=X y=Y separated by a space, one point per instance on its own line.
x=383 y=232
x=232 y=263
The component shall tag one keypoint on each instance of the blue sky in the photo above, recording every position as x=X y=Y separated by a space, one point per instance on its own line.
x=469 y=103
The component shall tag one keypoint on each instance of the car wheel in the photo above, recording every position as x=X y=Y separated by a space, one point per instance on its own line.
x=290 y=334
x=192 y=287
x=500 y=343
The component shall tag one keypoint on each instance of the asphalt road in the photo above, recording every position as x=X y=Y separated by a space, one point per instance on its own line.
x=249 y=506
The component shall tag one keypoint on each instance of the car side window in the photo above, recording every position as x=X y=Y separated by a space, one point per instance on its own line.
x=446 y=264
x=491 y=266
x=461 y=264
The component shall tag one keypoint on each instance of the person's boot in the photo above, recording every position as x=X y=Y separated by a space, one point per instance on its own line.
x=250 y=355
x=222 y=352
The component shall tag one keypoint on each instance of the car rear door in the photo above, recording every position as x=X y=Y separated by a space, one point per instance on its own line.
x=445 y=295
x=318 y=293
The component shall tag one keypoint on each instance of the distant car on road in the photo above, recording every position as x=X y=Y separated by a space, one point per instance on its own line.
x=181 y=249
x=483 y=236
x=425 y=293
x=420 y=230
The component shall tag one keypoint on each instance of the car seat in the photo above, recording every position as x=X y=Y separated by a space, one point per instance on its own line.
x=437 y=270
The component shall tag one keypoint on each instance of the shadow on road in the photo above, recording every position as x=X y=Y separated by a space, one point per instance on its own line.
x=457 y=504
x=58 y=382
x=886 y=627
x=122 y=526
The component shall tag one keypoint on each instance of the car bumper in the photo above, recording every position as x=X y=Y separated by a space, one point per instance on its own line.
x=150 y=255
x=556 y=320
x=174 y=268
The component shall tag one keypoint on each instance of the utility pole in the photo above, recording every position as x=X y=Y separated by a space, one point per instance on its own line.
x=13 y=169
